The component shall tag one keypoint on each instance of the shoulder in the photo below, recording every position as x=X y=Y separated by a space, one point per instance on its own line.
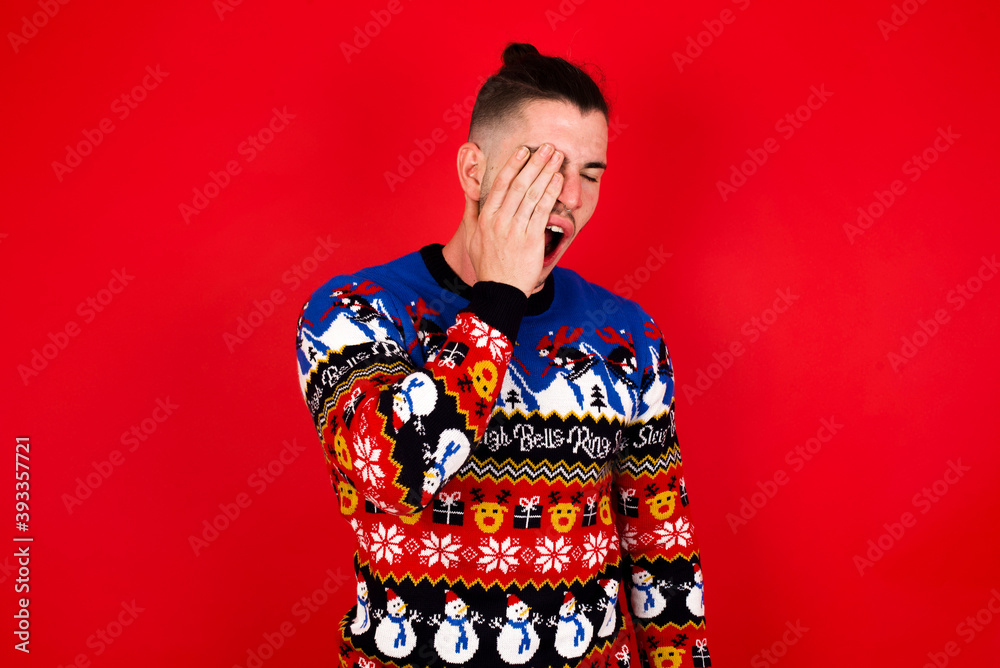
x=596 y=304
x=386 y=287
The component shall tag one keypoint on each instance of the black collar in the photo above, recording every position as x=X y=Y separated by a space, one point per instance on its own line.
x=433 y=256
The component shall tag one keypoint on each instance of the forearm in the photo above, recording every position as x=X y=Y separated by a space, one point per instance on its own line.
x=391 y=428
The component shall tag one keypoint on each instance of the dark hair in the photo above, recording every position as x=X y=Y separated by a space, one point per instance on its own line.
x=527 y=75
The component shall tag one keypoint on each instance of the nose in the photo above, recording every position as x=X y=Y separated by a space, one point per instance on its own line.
x=569 y=197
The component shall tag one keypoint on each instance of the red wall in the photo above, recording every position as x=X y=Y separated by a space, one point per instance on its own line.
x=884 y=425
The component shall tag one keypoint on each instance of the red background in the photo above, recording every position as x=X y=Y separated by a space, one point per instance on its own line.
x=678 y=133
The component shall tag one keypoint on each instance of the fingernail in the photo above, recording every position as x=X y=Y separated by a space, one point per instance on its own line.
x=521 y=152
x=546 y=150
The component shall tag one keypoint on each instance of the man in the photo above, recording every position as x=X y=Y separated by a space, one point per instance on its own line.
x=499 y=431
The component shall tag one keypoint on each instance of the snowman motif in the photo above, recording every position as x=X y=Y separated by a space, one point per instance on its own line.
x=696 y=597
x=647 y=601
x=456 y=640
x=416 y=396
x=394 y=635
x=611 y=589
x=574 y=631
x=451 y=452
x=362 y=620
x=517 y=641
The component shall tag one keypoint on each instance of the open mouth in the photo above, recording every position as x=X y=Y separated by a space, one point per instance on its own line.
x=555 y=233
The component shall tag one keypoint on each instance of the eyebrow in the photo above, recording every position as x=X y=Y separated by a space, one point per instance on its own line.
x=596 y=165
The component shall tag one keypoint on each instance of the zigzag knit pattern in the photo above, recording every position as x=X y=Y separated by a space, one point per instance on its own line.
x=509 y=468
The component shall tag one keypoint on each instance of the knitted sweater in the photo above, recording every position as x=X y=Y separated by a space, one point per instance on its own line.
x=506 y=464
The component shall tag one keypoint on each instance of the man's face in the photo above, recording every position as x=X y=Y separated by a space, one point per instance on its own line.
x=583 y=139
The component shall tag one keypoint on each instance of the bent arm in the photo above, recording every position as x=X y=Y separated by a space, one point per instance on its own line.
x=392 y=428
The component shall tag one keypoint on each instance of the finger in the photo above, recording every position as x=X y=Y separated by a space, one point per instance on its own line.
x=535 y=192
x=503 y=179
x=543 y=209
x=518 y=188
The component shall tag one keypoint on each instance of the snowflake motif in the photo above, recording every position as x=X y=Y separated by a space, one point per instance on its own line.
x=629 y=538
x=674 y=533
x=362 y=538
x=552 y=554
x=499 y=555
x=485 y=336
x=385 y=543
x=595 y=549
x=365 y=454
x=444 y=550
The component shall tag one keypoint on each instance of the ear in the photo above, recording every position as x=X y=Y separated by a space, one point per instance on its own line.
x=471 y=167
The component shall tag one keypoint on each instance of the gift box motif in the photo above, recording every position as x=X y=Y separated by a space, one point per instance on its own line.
x=453 y=353
x=699 y=654
x=449 y=509
x=628 y=503
x=528 y=513
x=590 y=512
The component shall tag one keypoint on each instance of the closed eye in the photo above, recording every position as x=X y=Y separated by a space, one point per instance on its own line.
x=589 y=178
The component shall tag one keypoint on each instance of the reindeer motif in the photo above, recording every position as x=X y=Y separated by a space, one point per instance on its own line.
x=430 y=336
x=562 y=355
x=662 y=366
x=621 y=361
x=353 y=299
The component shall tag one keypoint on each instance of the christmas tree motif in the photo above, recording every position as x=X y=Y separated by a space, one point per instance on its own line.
x=598 y=398
x=574 y=630
x=512 y=398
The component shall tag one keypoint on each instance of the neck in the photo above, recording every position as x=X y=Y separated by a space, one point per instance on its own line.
x=456 y=252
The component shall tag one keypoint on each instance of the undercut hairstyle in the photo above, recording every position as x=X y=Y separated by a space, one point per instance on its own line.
x=527 y=75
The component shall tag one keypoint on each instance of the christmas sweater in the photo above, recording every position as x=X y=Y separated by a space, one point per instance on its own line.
x=509 y=468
